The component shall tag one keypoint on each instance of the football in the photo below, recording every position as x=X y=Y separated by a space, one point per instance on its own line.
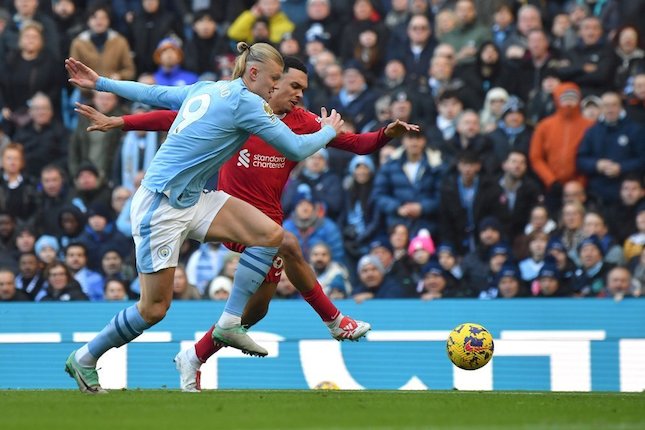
x=470 y=346
x=326 y=385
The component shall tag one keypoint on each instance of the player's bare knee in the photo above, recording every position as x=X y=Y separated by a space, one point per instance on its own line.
x=290 y=248
x=152 y=313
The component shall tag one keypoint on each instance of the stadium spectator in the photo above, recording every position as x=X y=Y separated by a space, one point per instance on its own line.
x=563 y=35
x=549 y=283
x=310 y=227
x=406 y=188
x=635 y=105
x=555 y=142
x=69 y=23
x=442 y=78
x=620 y=284
x=399 y=239
x=115 y=290
x=98 y=148
x=61 y=286
x=331 y=275
x=28 y=13
x=206 y=44
x=360 y=218
x=631 y=59
x=373 y=284
x=637 y=268
x=530 y=266
x=71 y=223
x=503 y=24
x=120 y=196
x=148 y=27
x=324 y=184
x=621 y=217
x=467 y=198
x=355 y=99
x=220 y=288
x=449 y=107
x=594 y=225
x=488 y=70
x=44 y=138
x=590 y=107
x=320 y=23
x=100 y=234
x=29 y=70
x=475 y=263
x=448 y=261
x=415 y=50
x=491 y=113
x=507 y=284
x=8 y=290
x=30 y=277
x=574 y=192
x=25 y=239
x=540 y=103
x=269 y=10
x=401 y=271
x=169 y=56
x=512 y=134
x=528 y=20
x=435 y=283
x=590 y=280
x=591 y=64
x=205 y=264
x=445 y=21
x=364 y=17
x=468 y=138
x=102 y=48
x=47 y=249
x=181 y=288
x=89 y=188
x=469 y=34
x=538 y=60
x=610 y=149
x=635 y=243
x=17 y=191
x=91 y=282
x=421 y=249
x=113 y=266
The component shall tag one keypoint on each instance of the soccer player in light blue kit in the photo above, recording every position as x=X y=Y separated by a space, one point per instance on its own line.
x=214 y=121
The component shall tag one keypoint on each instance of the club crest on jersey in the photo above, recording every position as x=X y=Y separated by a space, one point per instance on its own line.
x=244 y=158
x=268 y=111
x=164 y=252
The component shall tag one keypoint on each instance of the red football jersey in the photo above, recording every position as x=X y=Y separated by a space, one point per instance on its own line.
x=259 y=172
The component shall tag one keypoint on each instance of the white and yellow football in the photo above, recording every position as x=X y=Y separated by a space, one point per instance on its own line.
x=470 y=346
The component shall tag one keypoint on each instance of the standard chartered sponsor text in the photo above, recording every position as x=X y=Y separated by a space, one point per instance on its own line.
x=268 y=161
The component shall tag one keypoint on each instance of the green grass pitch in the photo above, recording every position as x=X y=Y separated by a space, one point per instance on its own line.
x=222 y=410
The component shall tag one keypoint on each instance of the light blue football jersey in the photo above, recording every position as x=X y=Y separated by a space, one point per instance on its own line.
x=214 y=121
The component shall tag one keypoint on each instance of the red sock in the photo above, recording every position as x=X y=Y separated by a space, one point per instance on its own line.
x=319 y=301
x=205 y=347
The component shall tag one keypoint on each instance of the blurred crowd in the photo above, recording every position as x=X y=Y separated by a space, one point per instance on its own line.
x=526 y=179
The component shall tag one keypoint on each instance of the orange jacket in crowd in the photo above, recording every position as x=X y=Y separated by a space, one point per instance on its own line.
x=556 y=139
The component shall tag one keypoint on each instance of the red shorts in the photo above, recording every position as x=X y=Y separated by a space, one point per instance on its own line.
x=275 y=272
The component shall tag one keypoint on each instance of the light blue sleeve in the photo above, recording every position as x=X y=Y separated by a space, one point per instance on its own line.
x=154 y=95
x=255 y=116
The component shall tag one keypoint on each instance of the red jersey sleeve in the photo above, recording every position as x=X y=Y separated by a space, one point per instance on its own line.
x=158 y=120
x=365 y=143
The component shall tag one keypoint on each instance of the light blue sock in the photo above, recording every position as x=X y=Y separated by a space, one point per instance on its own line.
x=253 y=267
x=123 y=328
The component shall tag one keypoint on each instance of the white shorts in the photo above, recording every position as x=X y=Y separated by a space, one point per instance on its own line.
x=159 y=229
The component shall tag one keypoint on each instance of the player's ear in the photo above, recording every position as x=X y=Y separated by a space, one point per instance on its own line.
x=253 y=72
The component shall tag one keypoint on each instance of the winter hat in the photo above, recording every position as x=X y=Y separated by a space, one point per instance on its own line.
x=303 y=192
x=365 y=160
x=220 y=283
x=513 y=104
x=591 y=240
x=46 y=241
x=557 y=244
x=423 y=240
x=370 y=259
x=433 y=267
x=171 y=42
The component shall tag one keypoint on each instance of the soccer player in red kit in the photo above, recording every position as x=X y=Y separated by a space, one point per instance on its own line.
x=258 y=175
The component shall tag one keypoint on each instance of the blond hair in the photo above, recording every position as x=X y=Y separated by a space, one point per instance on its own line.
x=259 y=53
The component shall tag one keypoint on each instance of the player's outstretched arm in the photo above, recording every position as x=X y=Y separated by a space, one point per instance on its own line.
x=398 y=128
x=158 y=120
x=367 y=143
x=257 y=118
x=155 y=95
x=98 y=121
